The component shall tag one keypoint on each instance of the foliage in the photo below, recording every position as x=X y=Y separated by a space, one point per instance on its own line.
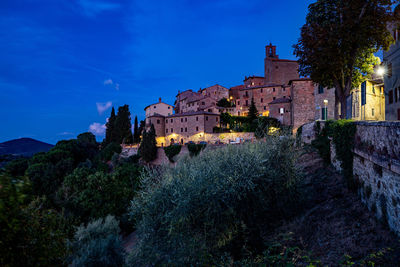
x=224 y=103
x=109 y=151
x=253 y=112
x=342 y=134
x=171 y=151
x=110 y=129
x=136 y=133
x=123 y=126
x=226 y=118
x=380 y=258
x=31 y=235
x=218 y=203
x=97 y=244
x=17 y=167
x=265 y=126
x=148 y=146
x=338 y=42
x=87 y=193
x=195 y=149
x=217 y=129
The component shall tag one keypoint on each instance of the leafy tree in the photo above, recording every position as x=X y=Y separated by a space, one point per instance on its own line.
x=223 y=102
x=123 y=126
x=31 y=234
x=142 y=126
x=108 y=152
x=226 y=118
x=97 y=244
x=253 y=112
x=136 y=133
x=195 y=149
x=148 y=146
x=337 y=44
x=171 y=151
x=110 y=128
x=217 y=204
x=88 y=193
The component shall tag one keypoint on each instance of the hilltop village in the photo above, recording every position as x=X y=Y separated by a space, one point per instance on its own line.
x=280 y=94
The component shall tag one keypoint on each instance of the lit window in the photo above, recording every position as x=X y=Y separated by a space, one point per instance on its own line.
x=281 y=110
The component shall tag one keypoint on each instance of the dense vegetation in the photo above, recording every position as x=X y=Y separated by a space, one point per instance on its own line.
x=253 y=123
x=43 y=199
x=215 y=205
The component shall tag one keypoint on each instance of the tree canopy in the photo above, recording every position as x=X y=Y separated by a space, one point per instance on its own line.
x=253 y=112
x=337 y=44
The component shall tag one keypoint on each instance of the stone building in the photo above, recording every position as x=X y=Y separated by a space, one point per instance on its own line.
x=279 y=71
x=155 y=114
x=325 y=108
x=367 y=102
x=391 y=61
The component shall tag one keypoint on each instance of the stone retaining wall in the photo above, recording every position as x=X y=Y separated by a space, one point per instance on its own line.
x=376 y=166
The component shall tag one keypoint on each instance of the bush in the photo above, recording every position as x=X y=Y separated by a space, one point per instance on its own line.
x=171 y=151
x=219 y=203
x=97 y=244
x=194 y=149
x=108 y=152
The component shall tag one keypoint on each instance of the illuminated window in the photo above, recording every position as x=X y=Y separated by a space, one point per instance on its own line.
x=281 y=110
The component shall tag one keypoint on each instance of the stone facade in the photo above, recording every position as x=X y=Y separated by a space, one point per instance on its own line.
x=374 y=106
x=281 y=110
x=324 y=98
x=376 y=166
x=391 y=61
x=160 y=108
x=279 y=71
x=303 y=103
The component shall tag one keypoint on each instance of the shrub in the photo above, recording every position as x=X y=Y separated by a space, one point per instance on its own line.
x=148 y=146
x=171 y=151
x=194 y=149
x=219 y=203
x=108 y=152
x=97 y=244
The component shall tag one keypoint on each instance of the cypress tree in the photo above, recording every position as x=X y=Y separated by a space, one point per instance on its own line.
x=110 y=128
x=148 y=146
x=123 y=126
x=253 y=112
x=136 y=133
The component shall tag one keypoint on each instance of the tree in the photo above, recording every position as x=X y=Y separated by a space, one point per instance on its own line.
x=223 y=102
x=337 y=44
x=123 y=125
x=253 y=112
x=148 y=146
x=110 y=128
x=98 y=244
x=136 y=133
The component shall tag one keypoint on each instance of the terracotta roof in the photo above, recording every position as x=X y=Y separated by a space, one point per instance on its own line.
x=156 y=115
x=281 y=100
x=191 y=113
x=300 y=79
x=262 y=86
x=237 y=87
x=260 y=77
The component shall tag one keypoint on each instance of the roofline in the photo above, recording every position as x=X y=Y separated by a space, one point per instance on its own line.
x=192 y=114
x=299 y=80
x=262 y=86
x=158 y=103
x=253 y=77
x=282 y=60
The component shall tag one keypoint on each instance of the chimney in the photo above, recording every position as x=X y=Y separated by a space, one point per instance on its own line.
x=159 y=100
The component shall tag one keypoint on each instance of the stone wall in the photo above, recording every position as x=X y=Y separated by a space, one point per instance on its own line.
x=376 y=166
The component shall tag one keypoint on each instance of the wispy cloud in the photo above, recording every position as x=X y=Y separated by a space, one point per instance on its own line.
x=92 y=8
x=108 y=82
x=101 y=107
x=65 y=133
x=97 y=129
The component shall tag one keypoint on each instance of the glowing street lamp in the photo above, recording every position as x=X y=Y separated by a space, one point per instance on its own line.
x=380 y=71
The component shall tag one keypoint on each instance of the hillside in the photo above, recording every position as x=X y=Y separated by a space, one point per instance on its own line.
x=23 y=147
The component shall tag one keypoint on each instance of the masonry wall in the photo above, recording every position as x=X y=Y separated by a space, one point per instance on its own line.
x=303 y=103
x=376 y=166
x=327 y=94
x=280 y=71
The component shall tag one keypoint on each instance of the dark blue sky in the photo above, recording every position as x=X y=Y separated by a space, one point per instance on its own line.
x=64 y=63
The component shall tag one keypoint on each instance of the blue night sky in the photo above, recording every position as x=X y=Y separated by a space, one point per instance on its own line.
x=63 y=63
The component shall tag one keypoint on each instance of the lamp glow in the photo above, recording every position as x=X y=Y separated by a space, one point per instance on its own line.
x=380 y=71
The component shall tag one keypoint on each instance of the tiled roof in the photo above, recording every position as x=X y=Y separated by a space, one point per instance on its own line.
x=191 y=113
x=262 y=86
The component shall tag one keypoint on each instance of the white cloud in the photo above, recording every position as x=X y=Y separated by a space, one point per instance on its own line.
x=101 y=107
x=97 y=129
x=108 y=82
x=65 y=133
x=92 y=8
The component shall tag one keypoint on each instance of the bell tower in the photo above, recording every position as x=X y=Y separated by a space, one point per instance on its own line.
x=270 y=51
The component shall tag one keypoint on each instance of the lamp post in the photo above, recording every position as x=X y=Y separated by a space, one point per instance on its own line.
x=325 y=110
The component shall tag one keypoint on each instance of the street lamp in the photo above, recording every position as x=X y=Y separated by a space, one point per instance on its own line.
x=380 y=71
x=325 y=110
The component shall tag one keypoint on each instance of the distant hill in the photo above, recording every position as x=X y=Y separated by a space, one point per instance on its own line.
x=23 y=147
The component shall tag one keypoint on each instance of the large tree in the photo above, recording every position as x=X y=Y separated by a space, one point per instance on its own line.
x=338 y=42
x=110 y=128
x=136 y=133
x=253 y=112
x=123 y=125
